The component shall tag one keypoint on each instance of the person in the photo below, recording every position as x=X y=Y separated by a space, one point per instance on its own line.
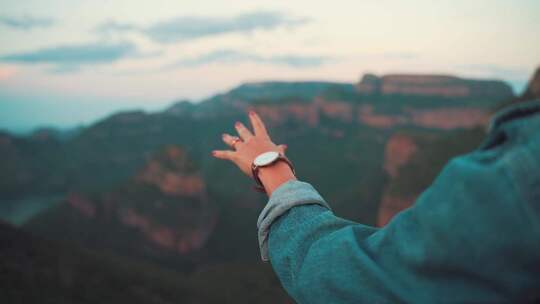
x=473 y=236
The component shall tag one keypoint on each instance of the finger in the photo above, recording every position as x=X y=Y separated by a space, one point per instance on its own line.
x=257 y=123
x=282 y=148
x=244 y=133
x=223 y=154
x=231 y=141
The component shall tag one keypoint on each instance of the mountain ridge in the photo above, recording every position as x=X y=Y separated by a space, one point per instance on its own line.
x=144 y=185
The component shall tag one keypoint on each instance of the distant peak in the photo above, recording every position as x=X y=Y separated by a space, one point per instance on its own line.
x=127 y=116
x=432 y=85
x=180 y=107
x=282 y=89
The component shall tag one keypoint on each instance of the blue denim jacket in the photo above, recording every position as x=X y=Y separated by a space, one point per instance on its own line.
x=472 y=237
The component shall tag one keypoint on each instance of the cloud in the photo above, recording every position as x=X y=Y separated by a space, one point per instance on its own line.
x=26 y=22
x=69 y=57
x=193 y=27
x=400 y=55
x=113 y=26
x=6 y=72
x=233 y=56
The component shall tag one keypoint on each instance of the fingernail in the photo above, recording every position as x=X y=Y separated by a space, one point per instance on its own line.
x=237 y=124
x=285 y=146
x=214 y=153
x=251 y=112
x=223 y=135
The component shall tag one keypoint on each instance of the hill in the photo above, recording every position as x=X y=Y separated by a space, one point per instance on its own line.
x=35 y=270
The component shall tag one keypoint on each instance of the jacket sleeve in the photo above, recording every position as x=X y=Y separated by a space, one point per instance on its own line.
x=470 y=237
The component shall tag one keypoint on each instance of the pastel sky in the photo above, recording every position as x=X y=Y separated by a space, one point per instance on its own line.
x=65 y=63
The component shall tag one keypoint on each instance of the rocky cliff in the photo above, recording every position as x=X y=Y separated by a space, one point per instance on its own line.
x=414 y=159
x=428 y=101
x=164 y=209
x=432 y=85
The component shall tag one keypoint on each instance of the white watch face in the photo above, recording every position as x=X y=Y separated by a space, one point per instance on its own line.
x=266 y=158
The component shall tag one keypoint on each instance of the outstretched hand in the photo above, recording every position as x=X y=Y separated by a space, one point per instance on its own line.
x=249 y=145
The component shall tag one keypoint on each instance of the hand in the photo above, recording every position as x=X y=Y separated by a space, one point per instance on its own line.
x=248 y=146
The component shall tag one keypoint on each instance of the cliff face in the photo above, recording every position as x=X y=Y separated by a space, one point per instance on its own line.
x=399 y=150
x=440 y=102
x=445 y=118
x=173 y=173
x=432 y=85
x=435 y=117
x=413 y=160
x=165 y=207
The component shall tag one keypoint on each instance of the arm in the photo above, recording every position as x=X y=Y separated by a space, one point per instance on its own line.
x=473 y=236
x=467 y=239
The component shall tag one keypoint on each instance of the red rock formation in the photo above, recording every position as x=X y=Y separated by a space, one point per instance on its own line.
x=448 y=118
x=172 y=173
x=391 y=87
x=418 y=85
x=170 y=179
x=335 y=109
x=368 y=117
x=180 y=240
x=277 y=114
x=439 y=118
x=433 y=85
x=308 y=113
x=398 y=151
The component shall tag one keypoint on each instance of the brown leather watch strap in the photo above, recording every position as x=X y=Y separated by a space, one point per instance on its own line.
x=255 y=172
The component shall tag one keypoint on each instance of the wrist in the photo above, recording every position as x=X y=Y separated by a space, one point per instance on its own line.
x=275 y=175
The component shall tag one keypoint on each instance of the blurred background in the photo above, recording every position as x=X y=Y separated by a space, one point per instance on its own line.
x=109 y=111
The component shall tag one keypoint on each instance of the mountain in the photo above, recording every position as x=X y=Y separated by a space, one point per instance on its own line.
x=144 y=187
x=35 y=270
x=412 y=160
x=433 y=85
x=125 y=139
x=26 y=164
x=162 y=213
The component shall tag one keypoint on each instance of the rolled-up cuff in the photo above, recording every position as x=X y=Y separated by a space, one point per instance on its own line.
x=290 y=194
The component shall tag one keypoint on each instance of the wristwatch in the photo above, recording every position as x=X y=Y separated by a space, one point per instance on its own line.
x=264 y=160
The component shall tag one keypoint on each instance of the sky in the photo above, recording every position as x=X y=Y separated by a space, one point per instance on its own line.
x=67 y=63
